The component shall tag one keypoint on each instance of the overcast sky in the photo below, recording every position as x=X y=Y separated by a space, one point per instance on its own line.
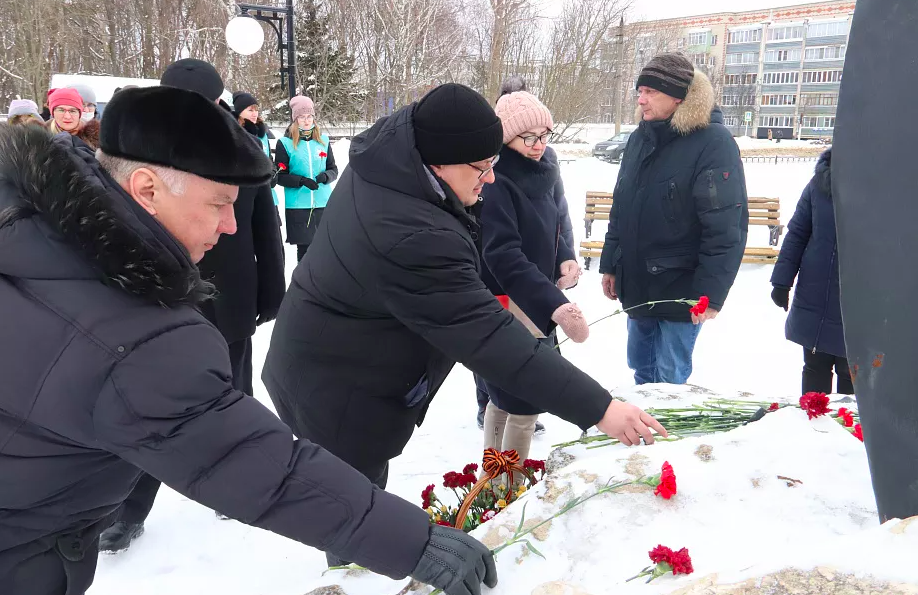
x=663 y=9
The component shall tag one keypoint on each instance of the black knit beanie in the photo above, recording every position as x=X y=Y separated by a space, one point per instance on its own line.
x=194 y=75
x=668 y=73
x=454 y=124
x=242 y=100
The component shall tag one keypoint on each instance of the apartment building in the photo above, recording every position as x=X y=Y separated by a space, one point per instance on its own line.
x=775 y=70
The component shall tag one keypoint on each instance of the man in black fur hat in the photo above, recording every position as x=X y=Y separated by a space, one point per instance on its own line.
x=247 y=271
x=110 y=370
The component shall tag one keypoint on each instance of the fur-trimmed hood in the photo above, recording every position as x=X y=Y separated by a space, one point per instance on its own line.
x=694 y=113
x=63 y=217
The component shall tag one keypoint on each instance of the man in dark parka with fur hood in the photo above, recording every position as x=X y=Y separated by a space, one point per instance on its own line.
x=110 y=370
x=677 y=229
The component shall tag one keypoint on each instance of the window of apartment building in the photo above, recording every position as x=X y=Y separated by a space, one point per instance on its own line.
x=818 y=122
x=743 y=58
x=698 y=38
x=786 y=33
x=831 y=52
x=744 y=36
x=819 y=99
x=700 y=60
x=782 y=99
x=741 y=79
x=822 y=76
x=730 y=100
x=776 y=121
x=731 y=121
x=827 y=29
x=782 y=56
x=749 y=100
x=713 y=40
x=780 y=78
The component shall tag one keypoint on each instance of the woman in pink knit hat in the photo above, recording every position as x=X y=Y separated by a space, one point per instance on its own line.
x=526 y=256
x=66 y=107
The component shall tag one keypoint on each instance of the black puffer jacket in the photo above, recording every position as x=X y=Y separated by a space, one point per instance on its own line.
x=388 y=299
x=679 y=221
x=108 y=369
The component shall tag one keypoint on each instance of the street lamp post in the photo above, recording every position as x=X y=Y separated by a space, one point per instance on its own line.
x=242 y=37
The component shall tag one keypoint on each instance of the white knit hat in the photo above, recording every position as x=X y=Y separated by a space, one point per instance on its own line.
x=521 y=111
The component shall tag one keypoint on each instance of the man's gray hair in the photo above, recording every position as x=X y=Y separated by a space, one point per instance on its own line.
x=121 y=169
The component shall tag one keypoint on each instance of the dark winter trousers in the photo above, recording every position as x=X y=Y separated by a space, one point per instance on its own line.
x=139 y=503
x=301 y=251
x=817 y=373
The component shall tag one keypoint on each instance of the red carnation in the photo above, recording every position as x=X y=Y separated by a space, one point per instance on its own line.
x=281 y=167
x=774 y=407
x=443 y=523
x=487 y=516
x=661 y=553
x=427 y=497
x=470 y=468
x=815 y=404
x=534 y=465
x=323 y=154
x=701 y=307
x=846 y=416
x=858 y=433
x=666 y=489
x=681 y=562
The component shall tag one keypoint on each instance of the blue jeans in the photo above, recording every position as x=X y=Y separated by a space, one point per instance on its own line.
x=661 y=350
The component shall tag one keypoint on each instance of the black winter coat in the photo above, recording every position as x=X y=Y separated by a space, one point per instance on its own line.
x=388 y=298
x=109 y=369
x=521 y=226
x=567 y=229
x=247 y=268
x=810 y=254
x=679 y=221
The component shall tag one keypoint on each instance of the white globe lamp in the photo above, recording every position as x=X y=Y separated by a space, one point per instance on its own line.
x=244 y=35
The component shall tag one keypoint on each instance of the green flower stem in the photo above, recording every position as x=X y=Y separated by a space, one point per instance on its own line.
x=622 y=311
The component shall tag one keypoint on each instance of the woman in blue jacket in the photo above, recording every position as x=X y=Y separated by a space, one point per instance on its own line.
x=306 y=169
x=528 y=262
x=810 y=254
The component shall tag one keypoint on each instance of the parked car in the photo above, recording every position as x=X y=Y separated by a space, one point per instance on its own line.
x=612 y=150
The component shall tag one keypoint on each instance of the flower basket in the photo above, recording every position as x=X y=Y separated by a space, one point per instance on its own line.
x=494 y=465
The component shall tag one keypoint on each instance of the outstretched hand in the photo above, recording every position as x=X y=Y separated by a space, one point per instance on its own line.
x=629 y=423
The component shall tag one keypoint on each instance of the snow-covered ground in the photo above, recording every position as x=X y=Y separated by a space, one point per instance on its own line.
x=186 y=550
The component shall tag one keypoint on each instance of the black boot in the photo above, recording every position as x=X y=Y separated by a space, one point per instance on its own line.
x=539 y=428
x=119 y=536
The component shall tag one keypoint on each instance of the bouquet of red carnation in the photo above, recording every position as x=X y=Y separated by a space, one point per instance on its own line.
x=664 y=483
x=489 y=502
x=666 y=561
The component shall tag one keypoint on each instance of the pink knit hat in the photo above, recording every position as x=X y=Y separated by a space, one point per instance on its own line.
x=521 y=111
x=302 y=106
x=68 y=97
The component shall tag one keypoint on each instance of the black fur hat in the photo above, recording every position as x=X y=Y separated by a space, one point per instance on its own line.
x=182 y=130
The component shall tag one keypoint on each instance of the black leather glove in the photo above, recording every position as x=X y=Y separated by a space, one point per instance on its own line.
x=781 y=296
x=456 y=563
x=266 y=317
x=308 y=183
x=322 y=178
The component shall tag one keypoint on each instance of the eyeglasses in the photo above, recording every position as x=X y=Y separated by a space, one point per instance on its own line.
x=73 y=113
x=530 y=139
x=483 y=172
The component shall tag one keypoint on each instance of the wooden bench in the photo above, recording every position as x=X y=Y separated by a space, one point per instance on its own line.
x=767 y=212
x=590 y=250
x=598 y=207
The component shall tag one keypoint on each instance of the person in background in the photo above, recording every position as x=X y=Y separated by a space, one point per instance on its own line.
x=66 y=112
x=809 y=254
x=89 y=102
x=511 y=85
x=527 y=260
x=247 y=270
x=677 y=229
x=306 y=169
x=24 y=111
x=245 y=108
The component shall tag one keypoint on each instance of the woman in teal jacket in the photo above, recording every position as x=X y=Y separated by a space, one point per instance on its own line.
x=306 y=169
x=245 y=108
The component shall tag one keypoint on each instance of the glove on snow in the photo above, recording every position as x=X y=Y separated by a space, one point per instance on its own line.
x=571 y=320
x=456 y=563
